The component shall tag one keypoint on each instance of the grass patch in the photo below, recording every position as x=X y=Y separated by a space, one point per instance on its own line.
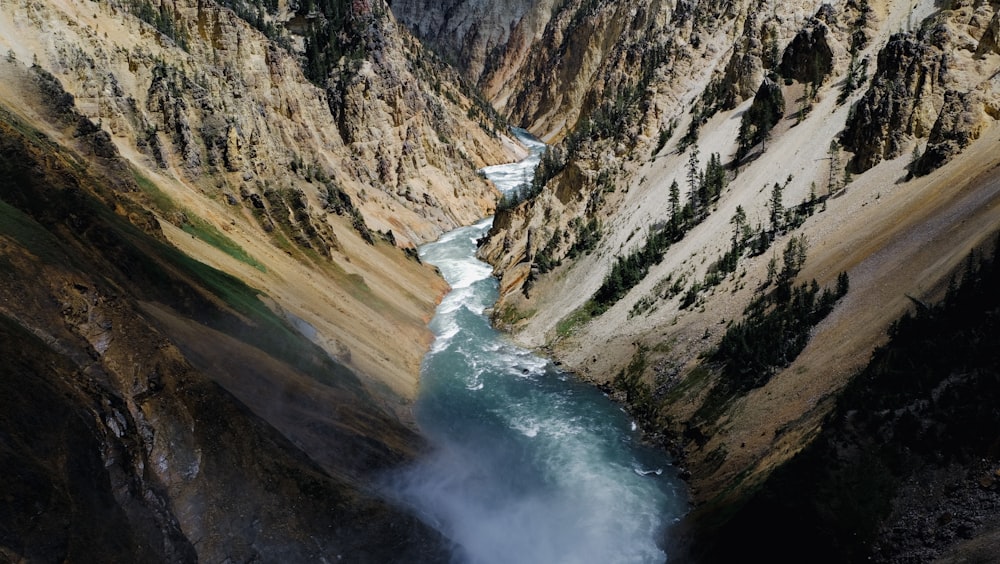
x=208 y=233
x=31 y=235
x=580 y=316
x=359 y=282
x=696 y=378
x=510 y=315
x=194 y=224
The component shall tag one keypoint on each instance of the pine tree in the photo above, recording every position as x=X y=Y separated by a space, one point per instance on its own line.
x=777 y=209
x=844 y=284
x=715 y=178
x=834 y=153
x=693 y=171
x=675 y=203
x=739 y=222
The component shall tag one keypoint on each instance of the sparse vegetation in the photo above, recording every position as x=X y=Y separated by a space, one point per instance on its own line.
x=638 y=395
x=568 y=325
x=329 y=38
x=629 y=270
x=776 y=325
x=260 y=14
x=764 y=113
x=161 y=18
x=664 y=136
x=916 y=428
x=510 y=315
x=587 y=236
x=194 y=224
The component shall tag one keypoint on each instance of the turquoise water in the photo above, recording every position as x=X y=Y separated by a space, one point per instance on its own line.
x=528 y=465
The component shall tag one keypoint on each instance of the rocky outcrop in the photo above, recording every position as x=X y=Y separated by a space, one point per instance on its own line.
x=903 y=101
x=963 y=117
x=958 y=124
x=766 y=110
x=153 y=410
x=632 y=165
x=931 y=85
x=809 y=57
x=472 y=33
x=989 y=42
x=743 y=73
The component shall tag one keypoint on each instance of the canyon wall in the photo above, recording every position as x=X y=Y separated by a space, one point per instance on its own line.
x=715 y=160
x=213 y=310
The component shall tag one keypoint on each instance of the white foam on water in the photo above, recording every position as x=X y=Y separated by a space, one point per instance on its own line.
x=443 y=339
x=525 y=468
x=527 y=426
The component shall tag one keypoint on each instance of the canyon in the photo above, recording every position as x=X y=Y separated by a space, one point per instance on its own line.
x=213 y=309
x=214 y=313
x=874 y=126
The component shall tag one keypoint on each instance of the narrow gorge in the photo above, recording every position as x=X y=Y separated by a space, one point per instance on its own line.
x=244 y=318
x=529 y=465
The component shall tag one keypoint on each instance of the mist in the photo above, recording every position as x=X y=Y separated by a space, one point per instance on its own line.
x=528 y=464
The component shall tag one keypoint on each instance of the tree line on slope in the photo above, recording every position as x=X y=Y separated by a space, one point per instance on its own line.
x=905 y=464
x=628 y=270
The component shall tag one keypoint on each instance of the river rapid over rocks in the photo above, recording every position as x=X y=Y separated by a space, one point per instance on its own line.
x=528 y=464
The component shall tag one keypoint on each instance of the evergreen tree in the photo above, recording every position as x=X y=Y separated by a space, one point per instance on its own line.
x=764 y=113
x=740 y=227
x=693 y=172
x=777 y=210
x=715 y=179
x=834 y=153
x=675 y=203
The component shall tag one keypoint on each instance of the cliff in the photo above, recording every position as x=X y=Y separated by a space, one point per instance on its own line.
x=154 y=409
x=212 y=307
x=721 y=166
x=305 y=180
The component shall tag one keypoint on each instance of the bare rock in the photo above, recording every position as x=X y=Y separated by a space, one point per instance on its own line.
x=959 y=123
x=743 y=73
x=901 y=101
x=809 y=57
x=990 y=40
x=962 y=120
x=233 y=156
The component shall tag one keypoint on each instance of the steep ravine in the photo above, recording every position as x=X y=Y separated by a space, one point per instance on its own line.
x=122 y=445
x=215 y=315
x=891 y=136
x=212 y=307
x=227 y=134
x=528 y=463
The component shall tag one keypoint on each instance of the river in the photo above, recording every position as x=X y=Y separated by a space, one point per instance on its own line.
x=528 y=465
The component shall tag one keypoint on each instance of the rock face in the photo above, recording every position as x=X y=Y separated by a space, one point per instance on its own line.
x=957 y=125
x=488 y=41
x=583 y=57
x=990 y=40
x=123 y=443
x=930 y=85
x=473 y=33
x=743 y=73
x=212 y=302
x=766 y=110
x=639 y=128
x=809 y=57
x=903 y=99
